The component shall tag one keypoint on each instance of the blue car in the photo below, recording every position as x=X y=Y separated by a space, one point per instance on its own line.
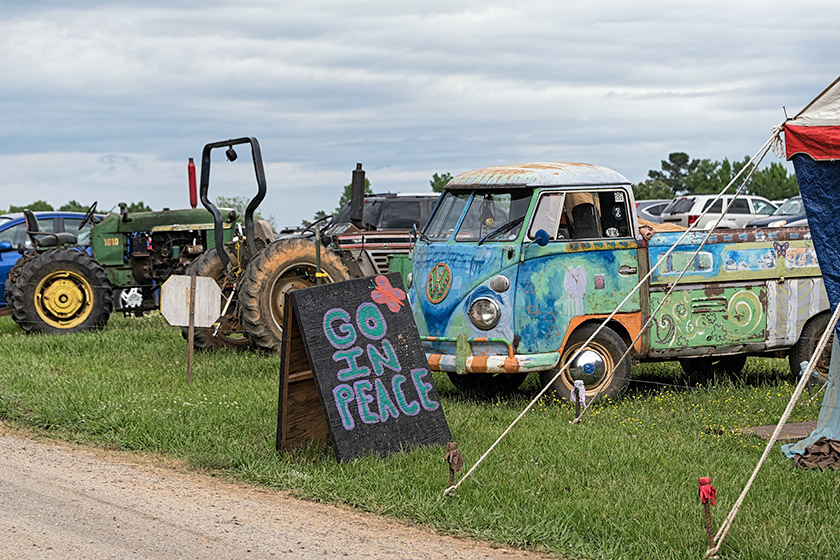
x=791 y=210
x=13 y=235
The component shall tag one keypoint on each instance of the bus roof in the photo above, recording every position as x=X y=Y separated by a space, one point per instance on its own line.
x=544 y=174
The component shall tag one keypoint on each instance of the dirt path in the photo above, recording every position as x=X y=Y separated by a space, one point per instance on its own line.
x=57 y=502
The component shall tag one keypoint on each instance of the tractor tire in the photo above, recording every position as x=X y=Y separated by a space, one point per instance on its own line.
x=598 y=366
x=62 y=291
x=12 y=290
x=281 y=267
x=230 y=335
x=807 y=344
x=704 y=367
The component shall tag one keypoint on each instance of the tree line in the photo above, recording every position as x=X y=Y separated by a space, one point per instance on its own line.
x=681 y=175
x=71 y=206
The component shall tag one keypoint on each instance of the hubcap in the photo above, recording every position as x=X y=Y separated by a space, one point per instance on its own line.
x=64 y=299
x=593 y=366
x=588 y=367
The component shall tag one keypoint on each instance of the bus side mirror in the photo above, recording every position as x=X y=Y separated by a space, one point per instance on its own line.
x=541 y=237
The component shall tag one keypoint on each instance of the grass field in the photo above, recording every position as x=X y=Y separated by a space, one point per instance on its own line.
x=623 y=484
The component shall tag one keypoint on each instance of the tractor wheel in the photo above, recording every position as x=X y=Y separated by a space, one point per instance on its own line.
x=230 y=335
x=701 y=367
x=281 y=267
x=597 y=366
x=807 y=344
x=62 y=291
x=13 y=291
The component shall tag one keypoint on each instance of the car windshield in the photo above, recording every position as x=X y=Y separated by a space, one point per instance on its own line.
x=790 y=207
x=490 y=210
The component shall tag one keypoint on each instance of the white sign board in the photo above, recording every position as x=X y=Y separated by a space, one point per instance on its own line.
x=175 y=301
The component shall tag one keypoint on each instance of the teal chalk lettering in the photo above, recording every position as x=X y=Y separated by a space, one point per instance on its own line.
x=370 y=321
x=363 y=399
x=377 y=360
x=343 y=394
x=345 y=335
x=383 y=401
x=409 y=408
x=353 y=370
x=423 y=388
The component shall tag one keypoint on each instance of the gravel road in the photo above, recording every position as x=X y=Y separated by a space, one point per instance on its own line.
x=59 y=501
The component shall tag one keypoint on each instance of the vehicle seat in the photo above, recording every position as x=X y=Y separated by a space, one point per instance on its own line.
x=563 y=231
x=45 y=238
x=583 y=221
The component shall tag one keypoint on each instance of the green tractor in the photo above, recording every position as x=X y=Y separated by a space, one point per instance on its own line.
x=59 y=286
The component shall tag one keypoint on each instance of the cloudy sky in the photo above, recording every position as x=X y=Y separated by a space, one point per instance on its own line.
x=106 y=100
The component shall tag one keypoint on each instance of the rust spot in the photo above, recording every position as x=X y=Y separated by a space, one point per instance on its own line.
x=713 y=290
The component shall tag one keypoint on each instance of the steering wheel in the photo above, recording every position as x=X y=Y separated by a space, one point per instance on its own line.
x=88 y=215
x=310 y=229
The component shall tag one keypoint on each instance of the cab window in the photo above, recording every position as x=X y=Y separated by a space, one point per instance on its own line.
x=582 y=215
x=401 y=214
x=716 y=207
x=549 y=217
x=762 y=207
x=739 y=206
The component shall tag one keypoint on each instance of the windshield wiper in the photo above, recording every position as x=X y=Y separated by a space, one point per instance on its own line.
x=418 y=234
x=502 y=228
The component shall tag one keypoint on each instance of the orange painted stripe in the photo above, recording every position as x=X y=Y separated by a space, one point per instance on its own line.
x=434 y=361
x=511 y=365
x=479 y=364
x=630 y=321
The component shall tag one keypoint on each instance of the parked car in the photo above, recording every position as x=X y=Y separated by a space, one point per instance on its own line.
x=686 y=210
x=799 y=222
x=651 y=210
x=791 y=210
x=13 y=235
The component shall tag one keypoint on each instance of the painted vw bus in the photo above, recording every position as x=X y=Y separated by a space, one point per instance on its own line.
x=519 y=264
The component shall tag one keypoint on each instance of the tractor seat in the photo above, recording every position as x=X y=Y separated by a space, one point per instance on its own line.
x=45 y=238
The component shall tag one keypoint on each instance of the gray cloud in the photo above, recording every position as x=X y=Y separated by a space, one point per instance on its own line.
x=108 y=102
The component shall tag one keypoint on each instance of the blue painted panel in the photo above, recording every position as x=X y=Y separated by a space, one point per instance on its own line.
x=556 y=284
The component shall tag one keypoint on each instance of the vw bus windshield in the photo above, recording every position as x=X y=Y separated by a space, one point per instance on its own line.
x=449 y=210
x=490 y=210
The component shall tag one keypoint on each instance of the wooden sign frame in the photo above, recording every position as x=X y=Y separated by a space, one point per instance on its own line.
x=300 y=416
x=331 y=334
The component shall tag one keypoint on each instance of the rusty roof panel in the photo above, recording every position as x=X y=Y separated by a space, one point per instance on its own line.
x=545 y=174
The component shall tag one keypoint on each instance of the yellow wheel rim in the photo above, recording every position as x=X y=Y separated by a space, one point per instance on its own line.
x=64 y=299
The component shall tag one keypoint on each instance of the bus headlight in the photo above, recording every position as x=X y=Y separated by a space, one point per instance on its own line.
x=484 y=313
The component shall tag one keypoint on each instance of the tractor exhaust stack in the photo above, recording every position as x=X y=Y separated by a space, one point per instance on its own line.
x=357 y=196
x=193 y=189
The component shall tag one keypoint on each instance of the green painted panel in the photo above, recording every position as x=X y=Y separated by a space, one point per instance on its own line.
x=709 y=317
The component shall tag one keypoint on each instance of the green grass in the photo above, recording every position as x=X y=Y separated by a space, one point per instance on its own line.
x=623 y=484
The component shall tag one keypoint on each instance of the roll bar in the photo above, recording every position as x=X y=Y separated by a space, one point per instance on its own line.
x=259 y=170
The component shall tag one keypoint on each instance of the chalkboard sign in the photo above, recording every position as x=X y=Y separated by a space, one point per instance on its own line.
x=354 y=347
